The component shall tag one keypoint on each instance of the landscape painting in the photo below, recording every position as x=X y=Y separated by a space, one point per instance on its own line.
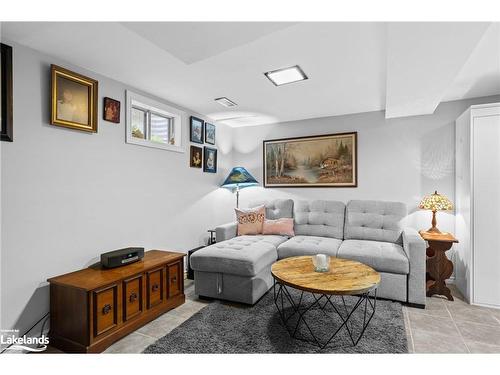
x=315 y=161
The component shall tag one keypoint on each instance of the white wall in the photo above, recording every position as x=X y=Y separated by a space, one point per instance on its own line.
x=69 y=195
x=399 y=159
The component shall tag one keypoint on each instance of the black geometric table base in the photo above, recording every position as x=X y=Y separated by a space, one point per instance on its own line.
x=295 y=307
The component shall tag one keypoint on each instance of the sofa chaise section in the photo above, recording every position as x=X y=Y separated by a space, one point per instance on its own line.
x=238 y=268
x=243 y=255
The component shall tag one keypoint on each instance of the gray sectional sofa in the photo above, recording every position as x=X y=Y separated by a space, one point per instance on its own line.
x=238 y=268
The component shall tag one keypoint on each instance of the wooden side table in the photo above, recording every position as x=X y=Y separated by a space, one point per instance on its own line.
x=211 y=239
x=438 y=266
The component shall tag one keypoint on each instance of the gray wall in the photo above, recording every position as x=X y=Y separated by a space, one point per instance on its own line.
x=69 y=196
x=398 y=159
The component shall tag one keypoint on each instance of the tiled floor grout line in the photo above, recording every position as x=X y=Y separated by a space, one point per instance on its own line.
x=456 y=326
x=479 y=323
x=143 y=334
x=407 y=315
x=494 y=317
x=476 y=322
x=429 y=315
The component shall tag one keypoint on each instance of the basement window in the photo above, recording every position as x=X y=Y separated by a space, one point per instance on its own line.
x=153 y=124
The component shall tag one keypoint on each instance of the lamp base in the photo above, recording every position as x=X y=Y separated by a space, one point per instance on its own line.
x=433 y=230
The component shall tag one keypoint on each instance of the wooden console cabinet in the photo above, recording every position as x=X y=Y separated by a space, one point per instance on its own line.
x=92 y=308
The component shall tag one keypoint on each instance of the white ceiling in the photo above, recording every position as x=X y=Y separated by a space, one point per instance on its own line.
x=480 y=76
x=205 y=39
x=423 y=60
x=405 y=68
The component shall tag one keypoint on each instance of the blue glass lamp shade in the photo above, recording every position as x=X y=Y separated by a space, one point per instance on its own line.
x=239 y=177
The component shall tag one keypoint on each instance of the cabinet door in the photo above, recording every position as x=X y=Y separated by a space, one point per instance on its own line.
x=486 y=212
x=154 y=287
x=174 y=279
x=105 y=309
x=132 y=297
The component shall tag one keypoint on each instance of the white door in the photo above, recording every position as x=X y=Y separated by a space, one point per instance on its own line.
x=486 y=211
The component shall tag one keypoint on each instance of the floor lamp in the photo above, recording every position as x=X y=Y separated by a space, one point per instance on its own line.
x=237 y=179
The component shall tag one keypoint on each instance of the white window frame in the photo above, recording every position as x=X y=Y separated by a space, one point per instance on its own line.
x=142 y=102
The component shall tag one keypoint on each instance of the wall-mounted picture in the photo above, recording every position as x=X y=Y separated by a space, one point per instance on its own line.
x=195 y=157
x=196 y=130
x=315 y=161
x=74 y=100
x=6 y=106
x=111 y=110
x=209 y=133
x=210 y=160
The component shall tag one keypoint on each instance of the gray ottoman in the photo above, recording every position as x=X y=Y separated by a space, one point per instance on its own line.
x=238 y=269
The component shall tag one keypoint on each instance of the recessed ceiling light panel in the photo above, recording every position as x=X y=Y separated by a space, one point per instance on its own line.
x=225 y=102
x=286 y=75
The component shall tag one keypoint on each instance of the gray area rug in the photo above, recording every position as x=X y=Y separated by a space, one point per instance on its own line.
x=223 y=327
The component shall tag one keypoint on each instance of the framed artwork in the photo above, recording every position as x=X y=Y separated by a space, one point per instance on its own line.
x=209 y=133
x=195 y=157
x=74 y=100
x=6 y=103
x=111 y=110
x=210 y=160
x=315 y=161
x=196 y=130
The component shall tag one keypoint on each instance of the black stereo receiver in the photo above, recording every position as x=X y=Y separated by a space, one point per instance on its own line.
x=122 y=257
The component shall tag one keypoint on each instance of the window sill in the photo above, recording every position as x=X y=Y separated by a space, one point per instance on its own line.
x=150 y=144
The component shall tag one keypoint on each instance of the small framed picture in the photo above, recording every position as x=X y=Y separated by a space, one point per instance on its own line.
x=210 y=160
x=74 y=100
x=209 y=133
x=196 y=133
x=6 y=93
x=111 y=110
x=195 y=157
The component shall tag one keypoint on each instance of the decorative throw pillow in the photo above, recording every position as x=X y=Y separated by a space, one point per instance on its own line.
x=282 y=227
x=251 y=220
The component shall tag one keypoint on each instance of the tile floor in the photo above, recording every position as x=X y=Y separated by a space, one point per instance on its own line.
x=442 y=327
x=139 y=340
x=452 y=327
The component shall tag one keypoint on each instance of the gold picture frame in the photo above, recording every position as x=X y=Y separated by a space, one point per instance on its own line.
x=74 y=100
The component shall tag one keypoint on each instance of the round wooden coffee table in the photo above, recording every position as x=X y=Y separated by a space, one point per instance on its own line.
x=328 y=289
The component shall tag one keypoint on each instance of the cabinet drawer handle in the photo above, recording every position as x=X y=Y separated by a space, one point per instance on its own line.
x=132 y=297
x=174 y=279
x=155 y=287
x=106 y=309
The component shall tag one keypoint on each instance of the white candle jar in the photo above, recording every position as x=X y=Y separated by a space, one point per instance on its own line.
x=321 y=262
